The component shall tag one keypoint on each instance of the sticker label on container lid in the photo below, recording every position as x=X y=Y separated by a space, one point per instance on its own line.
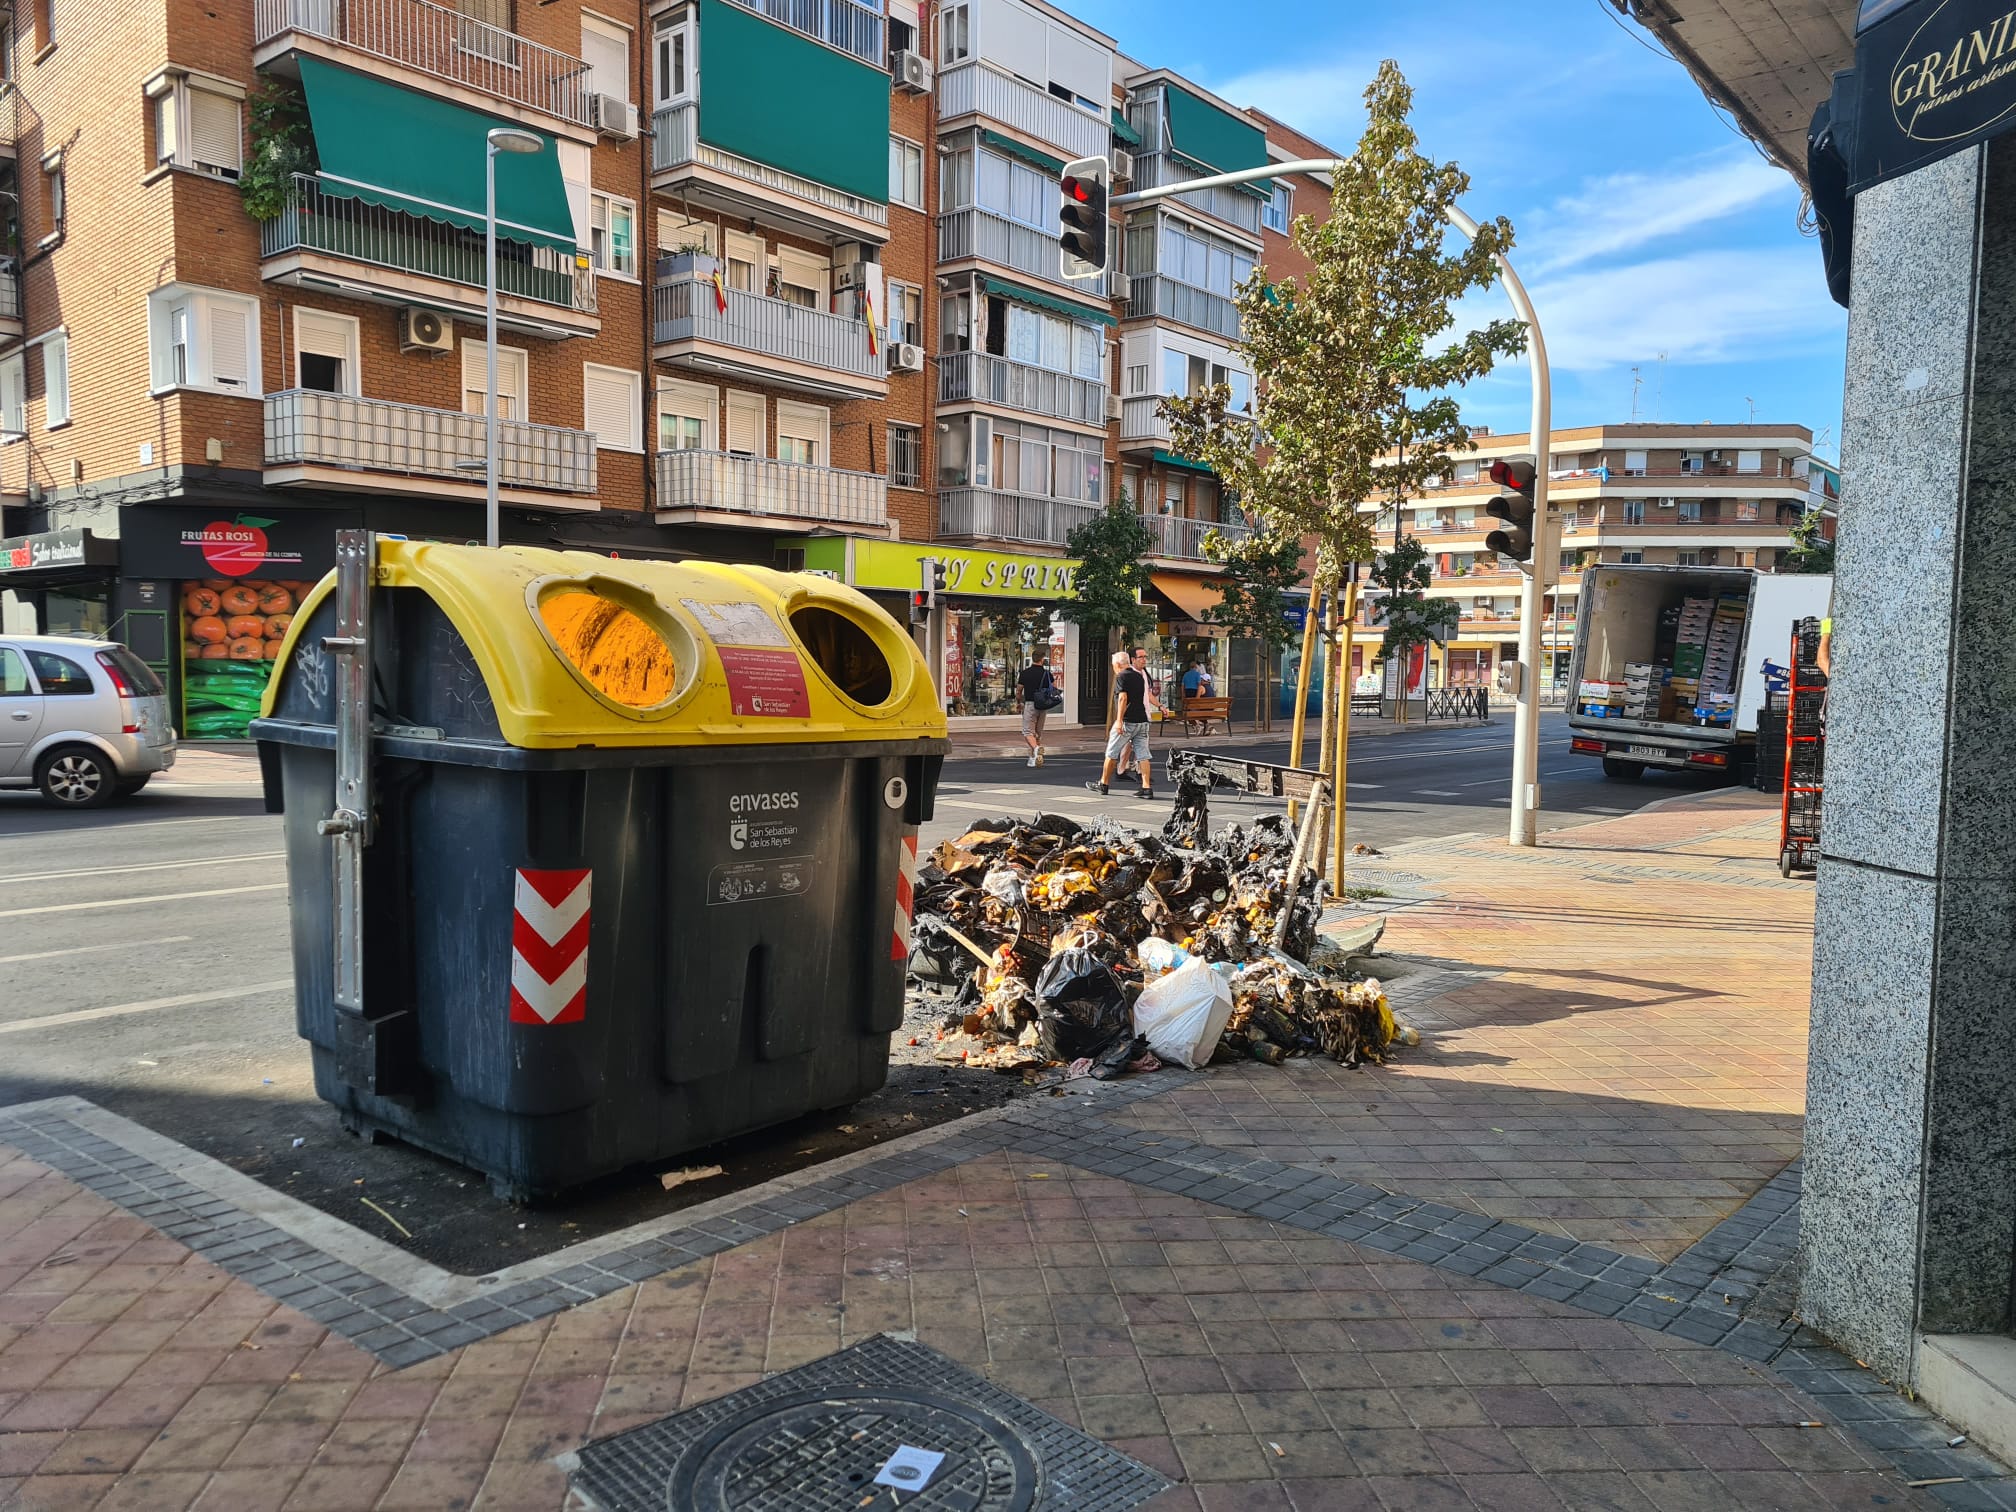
x=765 y=684
x=741 y=623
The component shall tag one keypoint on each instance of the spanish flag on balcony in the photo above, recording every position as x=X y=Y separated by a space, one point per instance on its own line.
x=720 y=292
x=868 y=314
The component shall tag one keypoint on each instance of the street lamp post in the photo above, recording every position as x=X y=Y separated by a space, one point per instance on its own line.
x=500 y=139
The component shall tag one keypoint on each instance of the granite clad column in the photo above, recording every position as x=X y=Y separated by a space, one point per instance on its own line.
x=1909 y=1218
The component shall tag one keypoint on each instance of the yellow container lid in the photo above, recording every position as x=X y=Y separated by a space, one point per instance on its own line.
x=584 y=650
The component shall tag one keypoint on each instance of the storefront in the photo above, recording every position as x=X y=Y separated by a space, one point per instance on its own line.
x=998 y=610
x=58 y=582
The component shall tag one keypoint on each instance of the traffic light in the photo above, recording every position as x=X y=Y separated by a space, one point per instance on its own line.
x=920 y=607
x=1081 y=217
x=937 y=576
x=1514 y=508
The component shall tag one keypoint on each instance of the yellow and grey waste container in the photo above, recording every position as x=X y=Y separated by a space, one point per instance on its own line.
x=629 y=867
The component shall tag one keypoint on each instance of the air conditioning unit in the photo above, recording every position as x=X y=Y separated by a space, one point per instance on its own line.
x=911 y=72
x=1668 y=503
x=613 y=116
x=906 y=357
x=1123 y=164
x=851 y=275
x=422 y=330
x=1113 y=406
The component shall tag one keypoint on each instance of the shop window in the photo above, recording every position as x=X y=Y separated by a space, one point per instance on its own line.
x=987 y=648
x=325 y=352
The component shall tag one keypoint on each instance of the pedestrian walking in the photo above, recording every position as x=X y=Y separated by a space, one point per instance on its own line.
x=1038 y=692
x=1139 y=662
x=1129 y=733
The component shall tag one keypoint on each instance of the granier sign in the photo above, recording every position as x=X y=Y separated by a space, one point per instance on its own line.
x=1931 y=77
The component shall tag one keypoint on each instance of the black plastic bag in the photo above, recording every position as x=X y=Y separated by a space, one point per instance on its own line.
x=1080 y=1005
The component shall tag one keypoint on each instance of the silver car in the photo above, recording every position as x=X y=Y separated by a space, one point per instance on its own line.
x=82 y=721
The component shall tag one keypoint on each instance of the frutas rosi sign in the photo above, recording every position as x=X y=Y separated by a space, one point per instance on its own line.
x=238 y=548
x=1932 y=78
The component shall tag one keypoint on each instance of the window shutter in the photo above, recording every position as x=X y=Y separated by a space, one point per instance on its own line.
x=609 y=404
x=473 y=376
x=608 y=58
x=213 y=130
x=745 y=423
x=228 y=332
x=803 y=422
x=324 y=335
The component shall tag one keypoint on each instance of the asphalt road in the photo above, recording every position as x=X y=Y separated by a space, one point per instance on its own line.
x=145 y=965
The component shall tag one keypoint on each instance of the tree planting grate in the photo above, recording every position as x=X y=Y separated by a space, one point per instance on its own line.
x=814 y=1439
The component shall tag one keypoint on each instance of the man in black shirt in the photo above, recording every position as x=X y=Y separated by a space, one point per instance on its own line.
x=1130 y=726
x=1030 y=685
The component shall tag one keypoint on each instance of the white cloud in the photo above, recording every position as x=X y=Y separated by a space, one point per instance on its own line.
x=1629 y=210
x=1711 y=306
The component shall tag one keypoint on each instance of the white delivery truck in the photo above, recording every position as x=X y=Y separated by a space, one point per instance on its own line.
x=1668 y=670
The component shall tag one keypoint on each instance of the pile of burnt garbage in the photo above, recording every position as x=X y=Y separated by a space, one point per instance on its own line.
x=1101 y=949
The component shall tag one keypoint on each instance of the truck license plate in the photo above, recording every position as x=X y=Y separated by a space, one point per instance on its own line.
x=1648 y=753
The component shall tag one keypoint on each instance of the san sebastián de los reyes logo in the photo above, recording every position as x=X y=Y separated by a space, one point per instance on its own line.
x=1953 y=80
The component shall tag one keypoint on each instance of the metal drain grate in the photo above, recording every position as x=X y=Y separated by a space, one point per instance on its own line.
x=814 y=1439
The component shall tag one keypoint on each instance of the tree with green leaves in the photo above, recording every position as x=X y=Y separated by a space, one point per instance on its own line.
x=1811 y=551
x=1259 y=569
x=1410 y=616
x=1112 y=550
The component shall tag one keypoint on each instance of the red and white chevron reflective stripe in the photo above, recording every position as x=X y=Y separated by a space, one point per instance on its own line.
x=549 y=947
x=906 y=886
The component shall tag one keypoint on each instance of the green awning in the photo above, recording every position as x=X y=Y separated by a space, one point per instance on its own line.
x=1122 y=132
x=1027 y=154
x=1214 y=139
x=1170 y=459
x=408 y=151
x=1048 y=302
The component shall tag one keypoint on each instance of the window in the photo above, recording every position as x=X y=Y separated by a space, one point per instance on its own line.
x=59 y=676
x=686 y=415
x=906 y=313
x=1749 y=461
x=902 y=27
x=1013 y=189
x=1465 y=472
x=1242 y=392
x=52 y=174
x=45 y=25
x=55 y=379
x=605 y=48
x=677 y=234
x=1688 y=558
x=955 y=323
x=744 y=255
x=1276 y=215
x=1172 y=494
x=14 y=396
x=906 y=456
x=1634 y=511
x=1203 y=263
x=325 y=352
x=1690 y=511
x=612 y=231
x=1746 y=509
x=1631 y=558
x=612 y=403
x=13 y=674
x=955 y=44
x=1692 y=462
x=1137 y=378
x=1634 y=464
x=197 y=123
x=204 y=339
x=745 y=423
x=675 y=60
x=510 y=380
x=802 y=277
x=906 y=173
x=802 y=432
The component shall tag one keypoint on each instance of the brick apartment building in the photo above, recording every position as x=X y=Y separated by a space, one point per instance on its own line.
x=1678 y=495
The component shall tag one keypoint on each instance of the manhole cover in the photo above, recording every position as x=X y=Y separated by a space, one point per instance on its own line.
x=817 y=1437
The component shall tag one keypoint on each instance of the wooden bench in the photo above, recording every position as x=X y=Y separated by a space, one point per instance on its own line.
x=1202 y=711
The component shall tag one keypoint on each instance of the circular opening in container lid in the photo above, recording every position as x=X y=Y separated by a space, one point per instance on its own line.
x=847 y=652
x=617 y=642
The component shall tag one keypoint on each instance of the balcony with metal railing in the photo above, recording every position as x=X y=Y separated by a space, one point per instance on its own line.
x=979 y=88
x=678 y=153
x=1151 y=296
x=1230 y=204
x=764 y=337
x=316 y=226
x=974 y=232
x=695 y=485
x=1176 y=536
x=439 y=41
x=843 y=24
x=1142 y=423
x=312 y=433
x=992 y=514
x=982 y=378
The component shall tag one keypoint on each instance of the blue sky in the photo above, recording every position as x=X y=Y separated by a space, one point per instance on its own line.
x=1645 y=222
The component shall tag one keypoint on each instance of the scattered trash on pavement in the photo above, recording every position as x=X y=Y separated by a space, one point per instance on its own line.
x=1101 y=950
x=671 y=1179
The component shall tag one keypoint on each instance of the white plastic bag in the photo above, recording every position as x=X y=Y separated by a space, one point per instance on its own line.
x=1184 y=1012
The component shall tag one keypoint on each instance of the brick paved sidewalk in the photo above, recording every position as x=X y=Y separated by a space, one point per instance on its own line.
x=1267 y=1323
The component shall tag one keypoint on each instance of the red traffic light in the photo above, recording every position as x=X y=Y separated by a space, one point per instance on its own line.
x=1515 y=475
x=1077 y=191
